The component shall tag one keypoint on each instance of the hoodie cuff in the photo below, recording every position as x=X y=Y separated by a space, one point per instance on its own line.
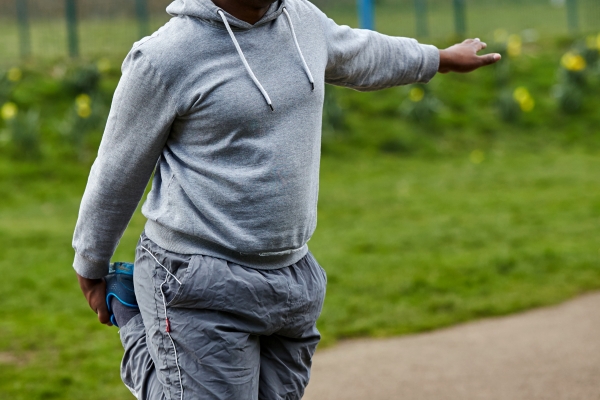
x=90 y=269
x=431 y=62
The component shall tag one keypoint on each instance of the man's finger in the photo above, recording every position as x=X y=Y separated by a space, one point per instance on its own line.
x=98 y=303
x=479 y=45
x=101 y=308
x=490 y=58
x=103 y=315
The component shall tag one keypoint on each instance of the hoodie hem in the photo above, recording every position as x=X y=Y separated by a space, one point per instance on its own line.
x=182 y=243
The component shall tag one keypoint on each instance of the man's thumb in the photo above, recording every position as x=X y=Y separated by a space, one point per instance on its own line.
x=490 y=58
x=103 y=314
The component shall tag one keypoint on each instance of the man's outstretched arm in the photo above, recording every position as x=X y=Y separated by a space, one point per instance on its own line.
x=365 y=60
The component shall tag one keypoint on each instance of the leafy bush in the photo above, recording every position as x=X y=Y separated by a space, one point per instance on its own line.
x=421 y=105
x=21 y=133
x=54 y=111
x=578 y=75
x=64 y=106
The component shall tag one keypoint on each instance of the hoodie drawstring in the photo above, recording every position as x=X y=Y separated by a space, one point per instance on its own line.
x=247 y=66
x=239 y=50
x=310 y=78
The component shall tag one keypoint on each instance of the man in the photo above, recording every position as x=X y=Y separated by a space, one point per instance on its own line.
x=228 y=98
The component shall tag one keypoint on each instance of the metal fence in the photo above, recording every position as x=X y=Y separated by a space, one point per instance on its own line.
x=51 y=29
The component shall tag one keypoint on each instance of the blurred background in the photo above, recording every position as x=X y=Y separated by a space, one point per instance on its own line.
x=473 y=196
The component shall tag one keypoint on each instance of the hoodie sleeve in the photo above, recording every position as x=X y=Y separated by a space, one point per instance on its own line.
x=138 y=125
x=366 y=60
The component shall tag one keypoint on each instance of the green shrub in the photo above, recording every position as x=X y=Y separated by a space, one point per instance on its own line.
x=21 y=134
x=513 y=102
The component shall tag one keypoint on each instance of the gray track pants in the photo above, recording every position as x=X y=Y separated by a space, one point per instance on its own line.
x=211 y=329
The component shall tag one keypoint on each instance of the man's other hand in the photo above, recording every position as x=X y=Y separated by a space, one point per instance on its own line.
x=462 y=57
x=94 y=291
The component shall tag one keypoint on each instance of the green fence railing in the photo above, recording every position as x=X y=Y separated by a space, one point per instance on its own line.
x=572 y=15
x=91 y=28
x=72 y=33
x=421 y=18
x=23 y=23
x=460 y=18
x=141 y=12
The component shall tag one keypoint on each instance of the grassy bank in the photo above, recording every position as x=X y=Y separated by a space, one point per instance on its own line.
x=409 y=244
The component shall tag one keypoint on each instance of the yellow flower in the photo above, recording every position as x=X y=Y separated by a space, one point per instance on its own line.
x=521 y=94
x=500 y=36
x=83 y=104
x=477 y=156
x=83 y=99
x=103 y=65
x=514 y=46
x=573 y=62
x=527 y=105
x=9 y=111
x=523 y=97
x=14 y=74
x=416 y=94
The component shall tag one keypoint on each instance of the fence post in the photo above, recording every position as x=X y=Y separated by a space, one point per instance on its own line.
x=24 y=35
x=141 y=10
x=366 y=15
x=72 y=34
x=573 y=16
x=421 y=18
x=460 y=18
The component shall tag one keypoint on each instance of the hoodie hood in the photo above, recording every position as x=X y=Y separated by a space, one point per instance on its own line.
x=208 y=11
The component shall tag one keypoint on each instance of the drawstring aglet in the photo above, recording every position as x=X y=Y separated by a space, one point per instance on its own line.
x=168 y=326
x=271 y=105
x=306 y=69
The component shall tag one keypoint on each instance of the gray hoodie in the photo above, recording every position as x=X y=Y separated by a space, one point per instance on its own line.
x=228 y=115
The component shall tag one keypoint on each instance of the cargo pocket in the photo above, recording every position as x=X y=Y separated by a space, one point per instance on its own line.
x=171 y=277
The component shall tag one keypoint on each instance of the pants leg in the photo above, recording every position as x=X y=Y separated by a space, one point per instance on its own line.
x=137 y=368
x=285 y=365
x=286 y=355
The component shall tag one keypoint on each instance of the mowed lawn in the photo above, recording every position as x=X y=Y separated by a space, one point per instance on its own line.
x=409 y=244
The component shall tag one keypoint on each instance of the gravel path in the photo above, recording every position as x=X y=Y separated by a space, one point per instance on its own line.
x=547 y=354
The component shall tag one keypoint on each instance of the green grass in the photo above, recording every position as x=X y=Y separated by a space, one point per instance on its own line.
x=412 y=244
x=409 y=244
x=422 y=224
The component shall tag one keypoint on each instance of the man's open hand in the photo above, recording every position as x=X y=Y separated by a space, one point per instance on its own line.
x=94 y=291
x=462 y=57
